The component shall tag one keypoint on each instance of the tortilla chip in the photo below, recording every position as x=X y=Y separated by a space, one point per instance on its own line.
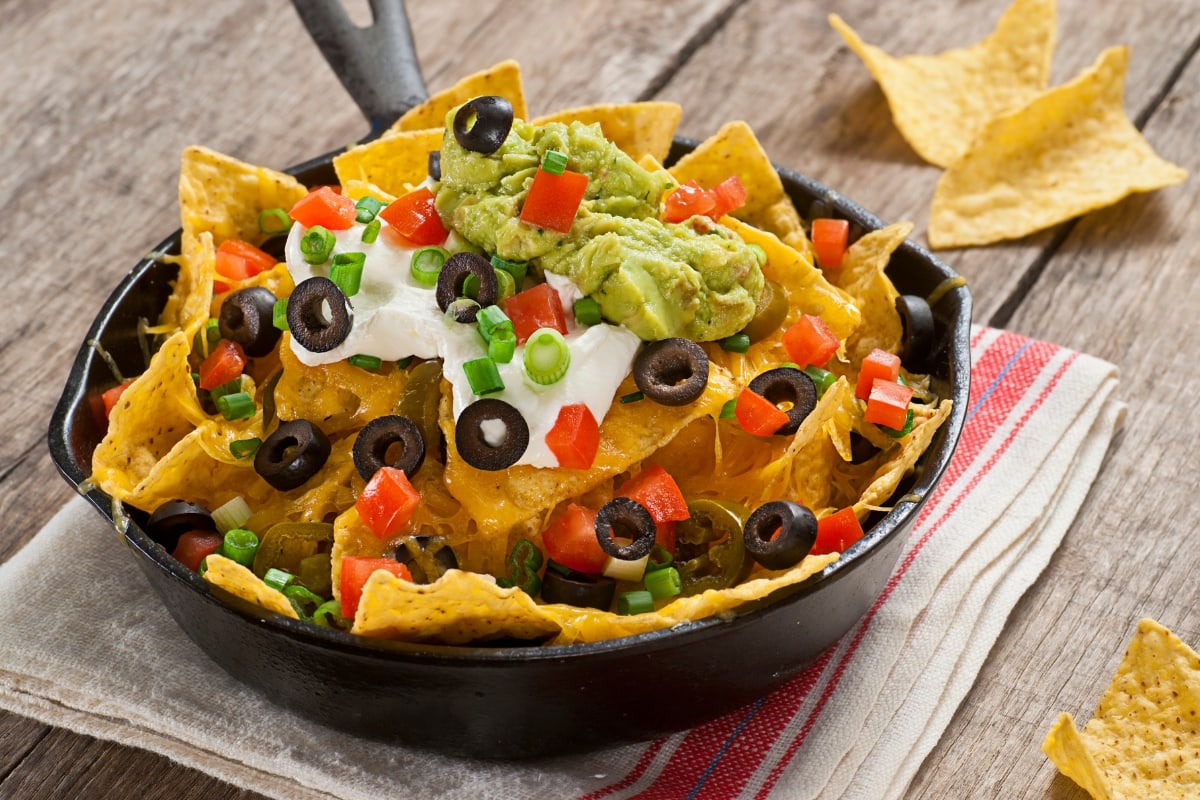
x=1070 y=151
x=392 y=165
x=863 y=276
x=1145 y=738
x=939 y=103
x=241 y=582
x=504 y=79
x=639 y=129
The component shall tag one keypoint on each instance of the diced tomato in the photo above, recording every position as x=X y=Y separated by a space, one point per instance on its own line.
x=664 y=534
x=355 y=572
x=224 y=363
x=655 y=489
x=877 y=364
x=539 y=307
x=728 y=195
x=575 y=437
x=829 y=238
x=686 y=201
x=553 y=200
x=836 y=532
x=571 y=540
x=193 y=546
x=113 y=395
x=888 y=403
x=326 y=207
x=415 y=218
x=220 y=287
x=809 y=342
x=758 y=415
x=238 y=260
x=387 y=502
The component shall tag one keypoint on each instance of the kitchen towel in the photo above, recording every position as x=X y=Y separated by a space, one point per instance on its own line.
x=856 y=723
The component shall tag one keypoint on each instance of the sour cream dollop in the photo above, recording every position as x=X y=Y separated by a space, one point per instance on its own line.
x=395 y=317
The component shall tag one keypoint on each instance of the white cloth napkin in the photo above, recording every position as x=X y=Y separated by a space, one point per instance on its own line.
x=102 y=657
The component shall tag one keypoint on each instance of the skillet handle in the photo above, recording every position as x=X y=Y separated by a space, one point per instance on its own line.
x=377 y=64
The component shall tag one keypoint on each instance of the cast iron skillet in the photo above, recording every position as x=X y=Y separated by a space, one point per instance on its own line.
x=508 y=700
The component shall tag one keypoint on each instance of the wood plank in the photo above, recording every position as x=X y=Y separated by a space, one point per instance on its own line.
x=18 y=736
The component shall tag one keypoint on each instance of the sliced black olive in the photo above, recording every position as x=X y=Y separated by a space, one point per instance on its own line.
x=577 y=589
x=482 y=124
x=790 y=387
x=292 y=454
x=916 y=318
x=427 y=557
x=247 y=317
x=175 y=518
x=319 y=315
x=382 y=434
x=673 y=372
x=435 y=164
x=454 y=274
x=628 y=519
x=780 y=533
x=471 y=436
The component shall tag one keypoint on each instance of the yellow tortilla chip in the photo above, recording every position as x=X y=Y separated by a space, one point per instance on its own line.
x=939 y=103
x=504 y=80
x=639 y=129
x=241 y=582
x=392 y=165
x=1070 y=151
x=735 y=150
x=863 y=276
x=1145 y=738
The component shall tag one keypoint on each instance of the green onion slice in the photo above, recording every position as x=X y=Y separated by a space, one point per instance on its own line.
x=317 y=244
x=502 y=346
x=329 y=615
x=234 y=513
x=277 y=579
x=206 y=337
x=240 y=545
x=239 y=405
x=633 y=397
x=659 y=558
x=279 y=314
x=483 y=376
x=663 y=583
x=587 y=311
x=367 y=209
x=821 y=378
x=547 y=356
x=427 y=264
x=346 y=271
x=554 y=162
x=364 y=361
x=229 y=387
x=639 y=602
x=273 y=220
x=404 y=362
x=727 y=410
x=491 y=318
x=303 y=600
x=245 y=448
x=515 y=268
x=738 y=343
x=506 y=285
x=371 y=232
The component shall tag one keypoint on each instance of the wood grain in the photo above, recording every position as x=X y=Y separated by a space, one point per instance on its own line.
x=99 y=99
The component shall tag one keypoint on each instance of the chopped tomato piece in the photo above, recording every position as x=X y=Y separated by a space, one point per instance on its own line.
x=877 y=364
x=112 y=396
x=224 y=363
x=194 y=546
x=809 y=342
x=238 y=260
x=664 y=534
x=539 y=307
x=686 y=201
x=355 y=572
x=575 y=437
x=553 y=200
x=758 y=415
x=387 y=502
x=655 y=489
x=836 y=532
x=829 y=238
x=571 y=540
x=888 y=403
x=415 y=217
x=728 y=195
x=326 y=207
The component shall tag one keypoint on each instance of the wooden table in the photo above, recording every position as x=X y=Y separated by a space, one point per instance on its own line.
x=99 y=99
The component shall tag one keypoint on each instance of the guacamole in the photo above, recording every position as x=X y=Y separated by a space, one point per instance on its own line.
x=694 y=279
